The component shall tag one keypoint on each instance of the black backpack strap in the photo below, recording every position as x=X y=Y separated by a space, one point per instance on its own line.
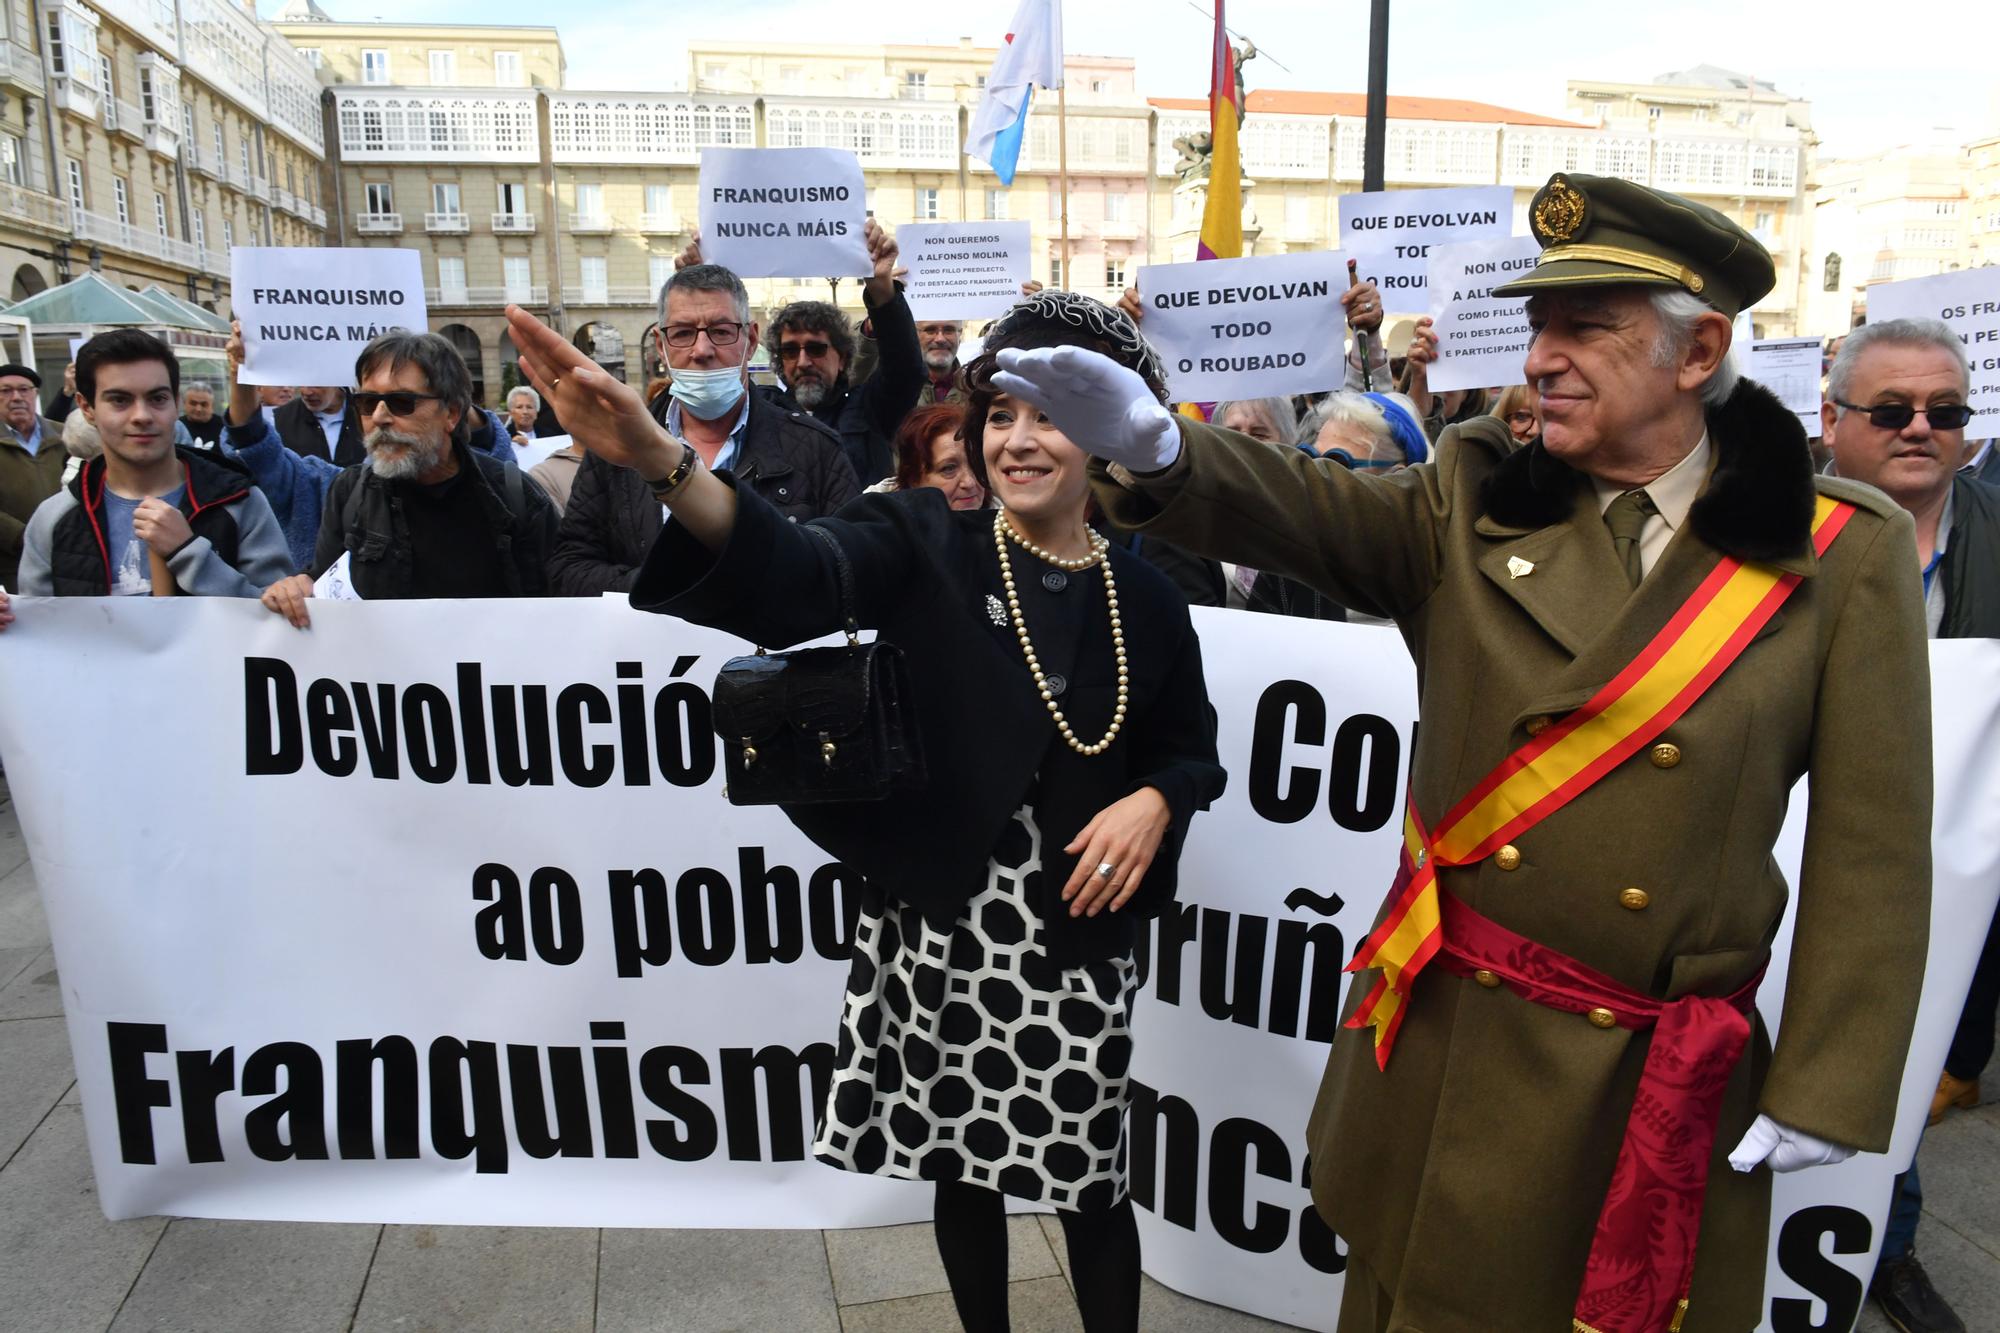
x=517 y=495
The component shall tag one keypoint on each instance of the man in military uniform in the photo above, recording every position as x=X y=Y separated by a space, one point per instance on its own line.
x=1589 y=832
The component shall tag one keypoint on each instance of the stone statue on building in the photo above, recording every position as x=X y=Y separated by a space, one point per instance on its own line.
x=1196 y=149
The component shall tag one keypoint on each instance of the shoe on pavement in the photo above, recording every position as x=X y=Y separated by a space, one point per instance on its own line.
x=1962 y=1093
x=1904 y=1291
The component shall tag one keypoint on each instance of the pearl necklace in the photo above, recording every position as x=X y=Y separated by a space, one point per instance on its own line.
x=1002 y=531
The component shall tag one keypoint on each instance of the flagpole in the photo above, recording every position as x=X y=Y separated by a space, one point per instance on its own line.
x=1062 y=174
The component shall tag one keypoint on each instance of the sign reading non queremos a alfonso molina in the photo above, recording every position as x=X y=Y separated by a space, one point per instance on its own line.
x=1247 y=328
x=963 y=270
x=307 y=313
x=784 y=212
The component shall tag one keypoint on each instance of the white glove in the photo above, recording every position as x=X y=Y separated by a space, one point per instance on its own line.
x=1104 y=408
x=1783 y=1148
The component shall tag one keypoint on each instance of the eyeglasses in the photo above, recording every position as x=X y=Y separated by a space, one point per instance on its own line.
x=1522 y=417
x=719 y=335
x=400 y=404
x=792 y=351
x=1895 y=416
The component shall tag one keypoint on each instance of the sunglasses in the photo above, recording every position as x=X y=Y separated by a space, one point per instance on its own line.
x=400 y=404
x=792 y=351
x=1895 y=416
x=719 y=335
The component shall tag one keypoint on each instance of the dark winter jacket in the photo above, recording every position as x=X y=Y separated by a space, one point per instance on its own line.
x=787 y=457
x=1971 y=565
x=866 y=416
x=299 y=428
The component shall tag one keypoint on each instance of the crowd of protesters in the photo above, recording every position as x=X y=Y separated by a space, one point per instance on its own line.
x=405 y=486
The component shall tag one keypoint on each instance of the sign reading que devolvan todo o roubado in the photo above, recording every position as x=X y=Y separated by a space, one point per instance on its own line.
x=307 y=313
x=784 y=212
x=1247 y=328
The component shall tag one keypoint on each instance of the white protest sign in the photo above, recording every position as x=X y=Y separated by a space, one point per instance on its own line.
x=1247 y=328
x=1789 y=368
x=307 y=313
x=511 y=1003
x=1390 y=232
x=1482 y=338
x=784 y=212
x=963 y=270
x=528 y=455
x=1969 y=301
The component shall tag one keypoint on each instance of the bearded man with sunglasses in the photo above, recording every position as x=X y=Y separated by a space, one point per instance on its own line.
x=426 y=515
x=1895 y=417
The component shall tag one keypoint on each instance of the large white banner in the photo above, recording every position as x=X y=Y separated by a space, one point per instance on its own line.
x=435 y=913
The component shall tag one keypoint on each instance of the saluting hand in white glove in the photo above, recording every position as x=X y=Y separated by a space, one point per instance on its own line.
x=1104 y=408
x=1783 y=1148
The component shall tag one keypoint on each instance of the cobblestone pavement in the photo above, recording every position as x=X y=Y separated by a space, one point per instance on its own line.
x=64 y=1269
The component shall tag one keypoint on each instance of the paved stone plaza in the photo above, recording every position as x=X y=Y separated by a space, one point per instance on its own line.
x=64 y=1269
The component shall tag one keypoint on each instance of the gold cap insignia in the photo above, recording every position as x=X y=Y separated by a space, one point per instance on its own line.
x=1559 y=212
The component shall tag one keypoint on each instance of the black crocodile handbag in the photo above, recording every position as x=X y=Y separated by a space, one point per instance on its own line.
x=818 y=725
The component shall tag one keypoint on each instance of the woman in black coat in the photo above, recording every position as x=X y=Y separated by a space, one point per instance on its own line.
x=1057 y=687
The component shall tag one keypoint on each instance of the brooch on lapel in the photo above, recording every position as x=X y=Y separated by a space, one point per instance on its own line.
x=996 y=609
x=1519 y=568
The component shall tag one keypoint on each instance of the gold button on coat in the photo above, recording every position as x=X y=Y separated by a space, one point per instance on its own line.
x=1665 y=755
x=1602 y=1018
x=1537 y=725
x=1486 y=978
x=1508 y=857
x=1634 y=899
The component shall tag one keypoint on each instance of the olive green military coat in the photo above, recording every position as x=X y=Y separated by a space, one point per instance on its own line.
x=1469 y=1175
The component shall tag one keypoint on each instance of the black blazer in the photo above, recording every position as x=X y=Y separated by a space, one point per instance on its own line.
x=923 y=574
x=299 y=429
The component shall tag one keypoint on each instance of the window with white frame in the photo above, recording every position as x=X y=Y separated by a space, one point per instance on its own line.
x=228 y=234
x=378 y=197
x=375 y=65
x=996 y=205
x=444 y=197
x=160 y=212
x=1114 y=208
x=927 y=205
x=1114 y=274
x=121 y=204
x=187 y=125
x=589 y=202
x=514 y=272
x=74 y=170
x=658 y=269
x=12 y=161
x=199 y=221
x=108 y=82
x=596 y=271
x=451 y=279
x=313 y=56
x=1100 y=85
x=220 y=156
x=1055 y=203
x=1055 y=273
x=659 y=200
x=915 y=84
x=507 y=68
x=444 y=68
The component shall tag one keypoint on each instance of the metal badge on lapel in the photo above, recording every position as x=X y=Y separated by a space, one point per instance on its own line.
x=1519 y=568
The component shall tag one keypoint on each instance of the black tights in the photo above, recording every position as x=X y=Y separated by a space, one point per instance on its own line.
x=1103 y=1260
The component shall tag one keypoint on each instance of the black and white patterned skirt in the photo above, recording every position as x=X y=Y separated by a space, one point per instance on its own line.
x=970 y=1056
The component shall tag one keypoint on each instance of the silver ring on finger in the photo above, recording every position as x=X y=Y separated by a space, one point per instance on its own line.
x=1105 y=870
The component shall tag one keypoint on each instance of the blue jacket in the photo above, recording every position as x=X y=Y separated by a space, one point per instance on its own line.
x=296 y=484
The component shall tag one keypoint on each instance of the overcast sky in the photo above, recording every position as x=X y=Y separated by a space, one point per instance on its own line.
x=1875 y=76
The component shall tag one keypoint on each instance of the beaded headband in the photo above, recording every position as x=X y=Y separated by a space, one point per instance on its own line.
x=1128 y=347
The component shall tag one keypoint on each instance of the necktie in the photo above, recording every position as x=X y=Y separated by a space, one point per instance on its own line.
x=1626 y=517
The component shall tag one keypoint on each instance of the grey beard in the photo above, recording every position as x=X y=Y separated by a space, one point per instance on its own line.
x=939 y=362
x=809 y=394
x=418 y=456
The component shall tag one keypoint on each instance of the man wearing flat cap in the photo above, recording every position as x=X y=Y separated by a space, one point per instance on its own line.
x=31 y=462
x=1634 y=635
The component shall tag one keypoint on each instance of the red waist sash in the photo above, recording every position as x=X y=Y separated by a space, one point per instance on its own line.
x=1642 y=1254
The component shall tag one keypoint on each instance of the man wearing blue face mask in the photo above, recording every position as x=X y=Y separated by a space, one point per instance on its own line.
x=706 y=337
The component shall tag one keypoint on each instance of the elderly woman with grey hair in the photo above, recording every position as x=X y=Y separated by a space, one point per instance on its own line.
x=1271 y=420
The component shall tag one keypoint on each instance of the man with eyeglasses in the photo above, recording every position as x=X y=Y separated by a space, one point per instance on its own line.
x=771 y=445
x=812 y=344
x=31 y=462
x=938 y=339
x=1895 y=417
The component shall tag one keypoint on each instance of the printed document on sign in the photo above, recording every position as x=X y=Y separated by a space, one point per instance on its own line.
x=337 y=584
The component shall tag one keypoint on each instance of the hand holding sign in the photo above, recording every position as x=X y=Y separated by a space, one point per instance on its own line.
x=882 y=253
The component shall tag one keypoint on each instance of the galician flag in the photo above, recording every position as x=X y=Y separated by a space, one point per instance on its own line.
x=1222 y=216
x=1031 y=55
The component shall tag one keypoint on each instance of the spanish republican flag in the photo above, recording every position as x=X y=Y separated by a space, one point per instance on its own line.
x=1222 y=218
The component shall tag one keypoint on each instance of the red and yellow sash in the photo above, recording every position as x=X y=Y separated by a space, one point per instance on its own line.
x=1704 y=637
